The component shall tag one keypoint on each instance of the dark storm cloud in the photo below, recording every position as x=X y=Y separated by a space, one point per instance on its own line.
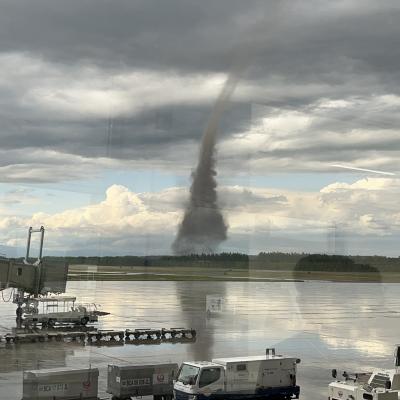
x=303 y=52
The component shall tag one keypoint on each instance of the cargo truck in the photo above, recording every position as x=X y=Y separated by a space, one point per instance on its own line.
x=380 y=384
x=269 y=376
x=125 y=382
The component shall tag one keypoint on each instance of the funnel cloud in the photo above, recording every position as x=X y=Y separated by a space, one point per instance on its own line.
x=203 y=226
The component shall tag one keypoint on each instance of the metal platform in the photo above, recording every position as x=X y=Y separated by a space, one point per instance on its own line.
x=98 y=336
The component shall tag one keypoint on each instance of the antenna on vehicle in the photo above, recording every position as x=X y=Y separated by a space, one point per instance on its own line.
x=270 y=352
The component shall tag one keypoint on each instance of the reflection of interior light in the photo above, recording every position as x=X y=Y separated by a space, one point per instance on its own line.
x=371 y=347
x=362 y=169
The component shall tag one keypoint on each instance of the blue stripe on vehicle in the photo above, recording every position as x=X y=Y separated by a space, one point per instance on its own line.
x=289 y=392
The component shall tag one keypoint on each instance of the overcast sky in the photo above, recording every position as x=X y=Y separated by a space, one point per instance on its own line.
x=103 y=104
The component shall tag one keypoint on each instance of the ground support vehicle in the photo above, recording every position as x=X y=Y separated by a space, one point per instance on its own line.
x=61 y=384
x=380 y=384
x=269 y=376
x=126 y=382
x=49 y=311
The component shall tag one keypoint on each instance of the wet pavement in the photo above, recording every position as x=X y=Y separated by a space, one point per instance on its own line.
x=349 y=326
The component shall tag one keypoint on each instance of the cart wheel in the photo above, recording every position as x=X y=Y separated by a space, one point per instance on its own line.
x=84 y=321
x=51 y=322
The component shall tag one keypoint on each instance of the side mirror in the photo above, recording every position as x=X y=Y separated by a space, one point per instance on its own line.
x=334 y=373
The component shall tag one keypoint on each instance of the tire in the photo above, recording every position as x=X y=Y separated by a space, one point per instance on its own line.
x=84 y=321
x=51 y=322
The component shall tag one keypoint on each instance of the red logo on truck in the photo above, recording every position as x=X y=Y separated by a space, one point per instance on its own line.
x=86 y=385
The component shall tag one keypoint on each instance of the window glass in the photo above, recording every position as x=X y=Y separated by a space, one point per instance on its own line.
x=188 y=374
x=229 y=168
x=208 y=376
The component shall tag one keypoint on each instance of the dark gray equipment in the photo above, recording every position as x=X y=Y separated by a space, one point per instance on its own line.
x=49 y=278
x=125 y=382
x=61 y=384
x=38 y=277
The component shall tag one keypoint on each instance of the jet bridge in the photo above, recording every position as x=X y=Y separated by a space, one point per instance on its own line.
x=34 y=278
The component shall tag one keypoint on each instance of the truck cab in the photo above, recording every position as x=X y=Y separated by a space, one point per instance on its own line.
x=198 y=379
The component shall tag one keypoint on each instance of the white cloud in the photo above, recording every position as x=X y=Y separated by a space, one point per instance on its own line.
x=87 y=91
x=367 y=207
x=121 y=213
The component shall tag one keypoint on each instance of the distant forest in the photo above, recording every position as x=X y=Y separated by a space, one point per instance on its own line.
x=271 y=261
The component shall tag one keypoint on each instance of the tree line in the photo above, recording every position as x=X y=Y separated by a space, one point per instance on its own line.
x=263 y=260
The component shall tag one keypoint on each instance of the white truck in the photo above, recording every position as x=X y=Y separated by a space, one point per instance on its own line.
x=380 y=384
x=269 y=376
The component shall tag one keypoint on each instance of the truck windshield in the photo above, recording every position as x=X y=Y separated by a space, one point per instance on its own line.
x=188 y=374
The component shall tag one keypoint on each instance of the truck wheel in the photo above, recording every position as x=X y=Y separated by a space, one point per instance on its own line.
x=84 y=321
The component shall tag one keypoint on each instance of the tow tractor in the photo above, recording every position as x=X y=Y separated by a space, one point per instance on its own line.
x=380 y=384
x=52 y=310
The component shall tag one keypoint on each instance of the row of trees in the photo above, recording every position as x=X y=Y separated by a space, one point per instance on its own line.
x=273 y=261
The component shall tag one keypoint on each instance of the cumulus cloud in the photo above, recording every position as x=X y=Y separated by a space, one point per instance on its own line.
x=269 y=219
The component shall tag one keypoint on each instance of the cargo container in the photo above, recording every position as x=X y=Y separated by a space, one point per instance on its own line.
x=125 y=382
x=61 y=384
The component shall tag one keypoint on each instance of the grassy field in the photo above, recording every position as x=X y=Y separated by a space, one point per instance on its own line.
x=139 y=273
